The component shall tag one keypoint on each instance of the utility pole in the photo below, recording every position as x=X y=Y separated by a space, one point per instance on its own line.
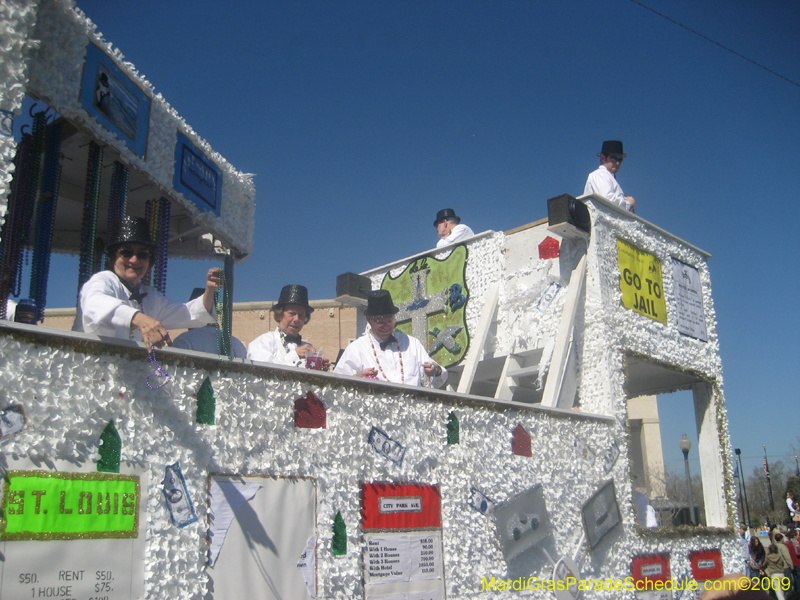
x=769 y=482
x=738 y=452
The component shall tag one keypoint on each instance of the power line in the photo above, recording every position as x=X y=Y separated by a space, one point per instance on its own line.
x=705 y=37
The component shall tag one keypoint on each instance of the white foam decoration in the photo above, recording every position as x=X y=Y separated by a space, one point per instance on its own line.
x=255 y=434
x=605 y=330
x=17 y=19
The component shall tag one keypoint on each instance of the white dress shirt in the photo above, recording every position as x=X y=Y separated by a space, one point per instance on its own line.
x=359 y=356
x=107 y=309
x=459 y=232
x=603 y=183
x=271 y=348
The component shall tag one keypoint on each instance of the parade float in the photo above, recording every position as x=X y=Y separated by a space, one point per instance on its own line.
x=189 y=475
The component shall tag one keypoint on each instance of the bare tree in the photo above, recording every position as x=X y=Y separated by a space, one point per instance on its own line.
x=677 y=490
x=758 y=495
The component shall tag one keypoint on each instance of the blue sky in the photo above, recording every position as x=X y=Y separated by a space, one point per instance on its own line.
x=362 y=119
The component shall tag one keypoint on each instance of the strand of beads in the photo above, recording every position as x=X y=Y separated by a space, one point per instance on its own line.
x=118 y=197
x=117 y=202
x=150 y=215
x=158 y=371
x=162 y=210
x=91 y=201
x=11 y=232
x=28 y=204
x=377 y=362
x=45 y=219
x=223 y=333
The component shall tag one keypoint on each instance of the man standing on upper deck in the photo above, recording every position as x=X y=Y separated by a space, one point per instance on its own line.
x=448 y=226
x=385 y=354
x=603 y=181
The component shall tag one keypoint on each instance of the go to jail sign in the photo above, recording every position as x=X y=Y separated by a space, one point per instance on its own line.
x=640 y=282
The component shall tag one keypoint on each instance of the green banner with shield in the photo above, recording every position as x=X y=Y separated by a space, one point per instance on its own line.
x=432 y=297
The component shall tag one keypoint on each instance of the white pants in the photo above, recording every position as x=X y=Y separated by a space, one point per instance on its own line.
x=776 y=585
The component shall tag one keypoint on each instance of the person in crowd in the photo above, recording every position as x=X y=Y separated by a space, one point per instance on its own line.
x=385 y=354
x=794 y=550
x=208 y=338
x=790 y=506
x=603 y=181
x=757 y=554
x=772 y=528
x=448 y=226
x=285 y=346
x=745 y=547
x=115 y=303
x=773 y=566
x=780 y=542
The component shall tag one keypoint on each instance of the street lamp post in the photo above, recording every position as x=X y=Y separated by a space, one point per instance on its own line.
x=686 y=445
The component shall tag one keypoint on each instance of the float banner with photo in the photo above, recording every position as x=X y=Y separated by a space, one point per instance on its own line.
x=196 y=177
x=114 y=100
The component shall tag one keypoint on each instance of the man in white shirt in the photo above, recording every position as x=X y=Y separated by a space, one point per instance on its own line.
x=448 y=226
x=603 y=181
x=284 y=346
x=385 y=354
x=115 y=303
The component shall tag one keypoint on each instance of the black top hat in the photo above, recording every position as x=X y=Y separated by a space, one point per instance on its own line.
x=446 y=213
x=379 y=304
x=293 y=294
x=129 y=230
x=612 y=147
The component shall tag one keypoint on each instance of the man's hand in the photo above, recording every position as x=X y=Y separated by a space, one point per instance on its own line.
x=213 y=280
x=432 y=369
x=369 y=372
x=632 y=202
x=305 y=350
x=153 y=332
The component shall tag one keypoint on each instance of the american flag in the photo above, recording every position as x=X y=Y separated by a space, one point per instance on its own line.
x=766 y=467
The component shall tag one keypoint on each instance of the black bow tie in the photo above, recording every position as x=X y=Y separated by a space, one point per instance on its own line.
x=135 y=295
x=292 y=339
x=388 y=342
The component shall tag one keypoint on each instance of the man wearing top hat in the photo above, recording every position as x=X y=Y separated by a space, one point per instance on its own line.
x=385 y=354
x=448 y=226
x=284 y=346
x=603 y=181
x=115 y=303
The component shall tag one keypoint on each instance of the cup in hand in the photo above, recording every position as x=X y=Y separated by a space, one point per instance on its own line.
x=314 y=361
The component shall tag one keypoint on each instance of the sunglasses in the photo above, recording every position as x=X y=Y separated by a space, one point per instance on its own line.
x=128 y=253
x=616 y=159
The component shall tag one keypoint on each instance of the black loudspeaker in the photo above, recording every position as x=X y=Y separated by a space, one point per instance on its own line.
x=568 y=217
x=352 y=284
